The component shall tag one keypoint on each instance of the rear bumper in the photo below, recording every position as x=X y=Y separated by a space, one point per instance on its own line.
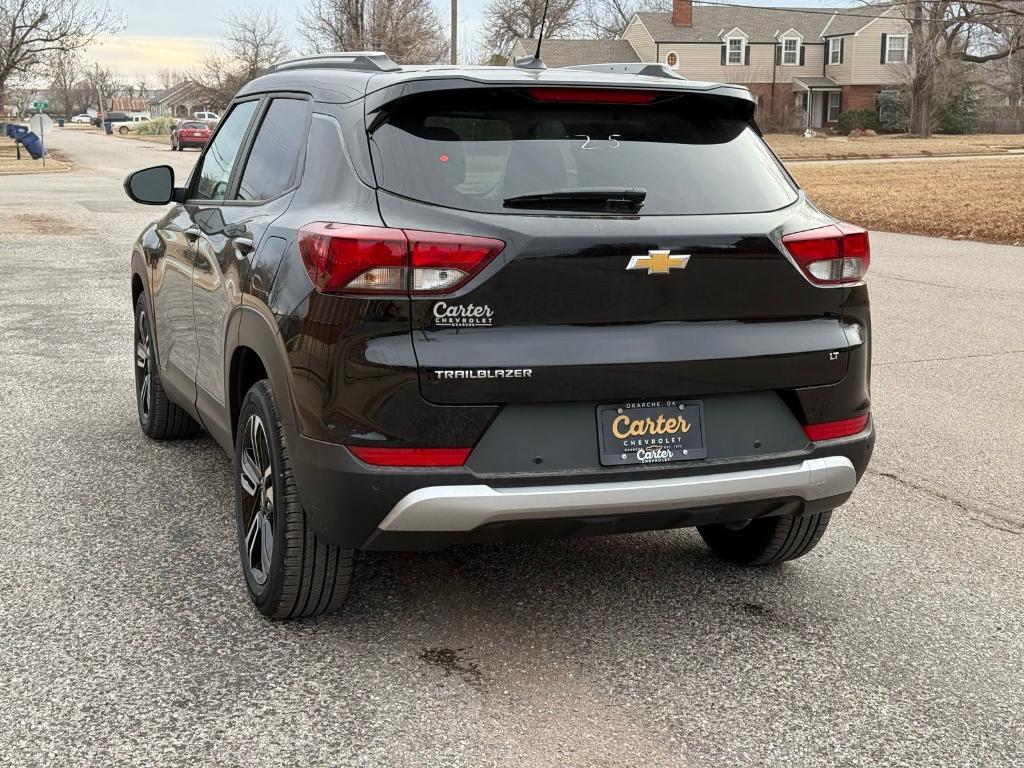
x=465 y=507
x=354 y=505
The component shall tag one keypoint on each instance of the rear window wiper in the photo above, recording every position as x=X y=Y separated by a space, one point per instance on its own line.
x=583 y=199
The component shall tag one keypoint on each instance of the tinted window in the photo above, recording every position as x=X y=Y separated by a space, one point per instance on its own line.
x=194 y=126
x=220 y=157
x=270 y=169
x=473 y=151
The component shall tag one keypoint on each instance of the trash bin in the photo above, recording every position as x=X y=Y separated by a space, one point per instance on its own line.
x=32 y=143
x=60 y=123
x=17 y=131
x=108 y=128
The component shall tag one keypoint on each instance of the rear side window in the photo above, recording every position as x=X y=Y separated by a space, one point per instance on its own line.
x=272 y=162
x=219 y=159
x=474 y=149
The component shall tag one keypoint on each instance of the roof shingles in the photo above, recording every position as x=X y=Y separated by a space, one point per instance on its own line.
x=761 y=25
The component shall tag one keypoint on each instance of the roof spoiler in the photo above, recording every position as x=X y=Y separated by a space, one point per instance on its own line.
x=631 y=68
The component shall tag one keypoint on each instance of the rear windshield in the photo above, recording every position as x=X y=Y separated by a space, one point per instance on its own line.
x=472 y=150
x=196 y=126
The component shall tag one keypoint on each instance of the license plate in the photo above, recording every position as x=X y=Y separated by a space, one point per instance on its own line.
x=651 y=432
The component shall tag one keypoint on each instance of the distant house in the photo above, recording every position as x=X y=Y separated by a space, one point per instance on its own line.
x=181 y=100
x=824 y=60
x=130 y=106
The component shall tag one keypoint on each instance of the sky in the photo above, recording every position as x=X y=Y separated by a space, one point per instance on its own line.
x=175 y=34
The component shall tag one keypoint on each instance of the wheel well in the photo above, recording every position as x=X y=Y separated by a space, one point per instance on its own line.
x=136 y=290
x=246 y=369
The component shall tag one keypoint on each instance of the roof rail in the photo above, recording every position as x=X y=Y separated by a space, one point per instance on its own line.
x=369 y=61
x=632 y=68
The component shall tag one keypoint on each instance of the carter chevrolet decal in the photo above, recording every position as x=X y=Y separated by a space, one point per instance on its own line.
x=484 y=373
x=659 y=262
x=463 y=315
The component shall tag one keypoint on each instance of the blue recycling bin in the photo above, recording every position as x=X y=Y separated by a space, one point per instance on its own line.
x=32 y=143
x=108 y=128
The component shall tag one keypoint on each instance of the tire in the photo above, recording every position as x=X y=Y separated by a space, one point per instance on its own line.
x=301 y=576
x=123 y=130
x=159 y=418
x=766 y=541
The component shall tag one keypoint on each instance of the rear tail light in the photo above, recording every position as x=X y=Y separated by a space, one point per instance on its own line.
x=594 y=95
x=411 y=457
x=830 y=430
x=838 y=254
x=346 y=258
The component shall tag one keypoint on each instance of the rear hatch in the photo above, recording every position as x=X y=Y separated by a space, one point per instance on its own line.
x=664 y=277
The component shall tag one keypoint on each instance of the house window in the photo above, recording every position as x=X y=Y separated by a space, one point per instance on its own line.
x=735 y=50
x=834 y=105
x=835 y=50
x=896 y=49
x=672 y=59
x=790 y=50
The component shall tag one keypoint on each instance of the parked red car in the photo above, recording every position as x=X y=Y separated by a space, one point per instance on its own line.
x=190 y=134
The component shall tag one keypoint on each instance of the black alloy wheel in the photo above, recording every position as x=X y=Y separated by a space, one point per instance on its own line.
x=143 y=367
x=257 y=483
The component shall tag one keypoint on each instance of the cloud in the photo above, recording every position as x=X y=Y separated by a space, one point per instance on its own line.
x=132 y=55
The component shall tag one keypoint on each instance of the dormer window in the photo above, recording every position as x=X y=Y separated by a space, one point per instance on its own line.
x=791 y=50
x=672 y=59
x=735 y=50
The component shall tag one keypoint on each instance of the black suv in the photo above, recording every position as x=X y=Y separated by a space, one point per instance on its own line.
x=422 y=306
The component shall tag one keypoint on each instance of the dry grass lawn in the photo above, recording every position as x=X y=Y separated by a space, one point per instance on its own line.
x=10 y=165
x=966 y=200
x=790 y=147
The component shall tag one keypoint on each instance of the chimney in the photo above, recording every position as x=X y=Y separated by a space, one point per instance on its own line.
x=682 y=13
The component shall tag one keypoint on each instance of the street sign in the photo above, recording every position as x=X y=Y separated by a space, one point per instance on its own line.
x=40 y=104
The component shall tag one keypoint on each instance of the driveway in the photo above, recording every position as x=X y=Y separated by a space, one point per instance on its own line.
x=126 y=637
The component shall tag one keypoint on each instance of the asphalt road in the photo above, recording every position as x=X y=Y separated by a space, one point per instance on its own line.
x=126 y=637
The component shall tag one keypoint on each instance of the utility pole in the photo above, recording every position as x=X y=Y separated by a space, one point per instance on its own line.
x=455 y=31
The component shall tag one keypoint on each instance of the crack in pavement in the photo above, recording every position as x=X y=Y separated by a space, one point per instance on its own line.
x=999 y=522
x=953 y=357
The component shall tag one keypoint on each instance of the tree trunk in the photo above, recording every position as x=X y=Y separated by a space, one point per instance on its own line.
x=921 y=107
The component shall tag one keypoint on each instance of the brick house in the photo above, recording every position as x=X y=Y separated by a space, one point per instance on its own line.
x=823 y=61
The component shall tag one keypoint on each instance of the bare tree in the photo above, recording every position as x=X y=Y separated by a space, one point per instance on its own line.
x=103 y=84
x=410 y=31
x=67 y=71
x=33 y=34
x=169 y=77
x=609 y=18
x=942 y=31
x=253 y=41
x=507 y=20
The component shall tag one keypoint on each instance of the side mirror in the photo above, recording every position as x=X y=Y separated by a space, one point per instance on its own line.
x=151 y=186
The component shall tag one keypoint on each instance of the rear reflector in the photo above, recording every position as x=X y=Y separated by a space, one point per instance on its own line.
x=346 y=258
x=411 y=457
x=837 y=254
x=594 y=95
x=830 y=430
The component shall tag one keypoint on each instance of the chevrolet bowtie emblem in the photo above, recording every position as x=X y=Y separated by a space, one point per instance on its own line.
x=659 y=262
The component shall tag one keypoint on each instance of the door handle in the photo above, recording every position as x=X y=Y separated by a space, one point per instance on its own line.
x=243 y=244
x=191 y=235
